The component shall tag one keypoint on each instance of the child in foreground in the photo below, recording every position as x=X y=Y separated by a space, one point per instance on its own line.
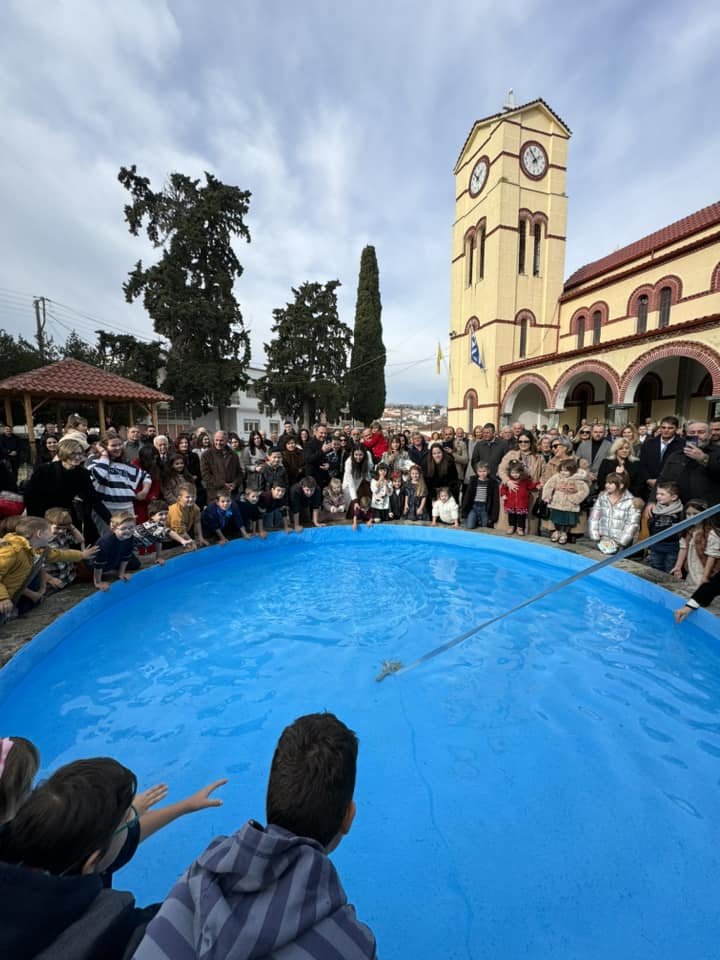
x=65 y=536
x=362 y=513
x=445 y=509
x=699 y=548
x=564 y=492
x=116 y=550
x=334 y=504
x=615 y=516
x=19 y=764
x=221 y=906
x=155 y=531
x=515 y=495
x=22 y=556
x=59 y=852
x=184 y=518
x=665 y=513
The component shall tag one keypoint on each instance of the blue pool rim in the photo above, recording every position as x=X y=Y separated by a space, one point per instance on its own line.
x=565 y=562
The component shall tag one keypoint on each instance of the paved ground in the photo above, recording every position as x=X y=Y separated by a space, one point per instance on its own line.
x=17 y=633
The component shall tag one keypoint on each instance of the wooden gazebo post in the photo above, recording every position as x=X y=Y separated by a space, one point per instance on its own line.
x=101 y=415
x=8 y=412
x=153 y=413
x=27 y=403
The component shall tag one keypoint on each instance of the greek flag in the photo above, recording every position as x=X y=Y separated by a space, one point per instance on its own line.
x=475 y=351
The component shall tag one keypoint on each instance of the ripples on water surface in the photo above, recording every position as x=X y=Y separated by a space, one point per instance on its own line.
x=548 y=789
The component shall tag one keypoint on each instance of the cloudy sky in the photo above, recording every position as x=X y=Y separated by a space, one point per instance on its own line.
x=344 y=120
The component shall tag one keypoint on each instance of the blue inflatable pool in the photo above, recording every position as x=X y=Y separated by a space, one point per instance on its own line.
x=547 y=789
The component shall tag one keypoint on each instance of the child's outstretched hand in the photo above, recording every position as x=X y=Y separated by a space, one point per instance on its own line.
x=148 y=798
x=89 y=552
x=202 y=799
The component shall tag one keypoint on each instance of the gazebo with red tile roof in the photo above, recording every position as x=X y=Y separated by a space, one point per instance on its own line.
x=75 y=380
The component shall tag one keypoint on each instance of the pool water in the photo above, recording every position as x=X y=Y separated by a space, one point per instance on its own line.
x=547 y=789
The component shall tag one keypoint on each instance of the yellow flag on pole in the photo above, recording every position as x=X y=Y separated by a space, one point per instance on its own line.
x=439 y=360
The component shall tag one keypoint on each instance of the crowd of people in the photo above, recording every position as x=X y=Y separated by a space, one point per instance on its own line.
x=95 y=504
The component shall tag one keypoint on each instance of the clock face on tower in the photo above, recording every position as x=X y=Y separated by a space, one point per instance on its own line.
x=479 y=176
x=533 y=160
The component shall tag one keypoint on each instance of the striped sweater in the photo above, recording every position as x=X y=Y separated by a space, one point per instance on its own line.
x=258 y=893
x=116 y=483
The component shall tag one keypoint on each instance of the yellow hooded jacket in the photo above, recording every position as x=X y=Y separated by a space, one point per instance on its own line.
x=16 y=562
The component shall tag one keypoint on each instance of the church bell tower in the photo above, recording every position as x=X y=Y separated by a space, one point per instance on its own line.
x=508 y=252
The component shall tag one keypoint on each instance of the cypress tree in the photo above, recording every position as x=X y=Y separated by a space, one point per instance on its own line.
x=366 y=376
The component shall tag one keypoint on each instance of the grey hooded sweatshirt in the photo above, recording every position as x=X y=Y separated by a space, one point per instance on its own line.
x=262 y=892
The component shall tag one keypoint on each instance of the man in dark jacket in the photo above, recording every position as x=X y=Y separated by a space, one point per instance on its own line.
x=316 y=452
x=655 y=450
x=220 y=467
x=489 y=449
x=272 y=891
x=696 y=467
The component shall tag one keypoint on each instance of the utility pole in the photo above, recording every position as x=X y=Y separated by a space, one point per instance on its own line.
x=40 y=319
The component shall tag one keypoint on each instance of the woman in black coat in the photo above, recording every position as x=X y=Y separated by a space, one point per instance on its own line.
x=59 y=483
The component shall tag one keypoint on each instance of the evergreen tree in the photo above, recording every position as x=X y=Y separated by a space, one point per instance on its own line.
x=17 y=356
x=366 y=376
x=307 y=357
x=129 y=357
x=75 y=348
x=188 y=293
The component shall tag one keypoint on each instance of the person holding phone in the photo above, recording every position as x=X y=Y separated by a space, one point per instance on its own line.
x=696 y=467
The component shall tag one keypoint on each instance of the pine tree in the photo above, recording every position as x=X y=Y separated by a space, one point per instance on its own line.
x=366 y=377
x=188 y=293
x=307 y=357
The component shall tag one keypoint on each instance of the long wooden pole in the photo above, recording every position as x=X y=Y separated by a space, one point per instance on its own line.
x=101 y=415
x=8 y=412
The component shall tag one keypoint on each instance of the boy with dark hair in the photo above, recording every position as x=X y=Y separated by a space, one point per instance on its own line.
x=58 y=854
x=272 y=891
x=155 y=531
x=221 y=519
x=273 y=504
x=250 y=515
x=665 y=512
x=305 y=495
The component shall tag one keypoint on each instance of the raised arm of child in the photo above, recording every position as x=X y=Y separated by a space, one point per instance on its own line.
x=153 y=820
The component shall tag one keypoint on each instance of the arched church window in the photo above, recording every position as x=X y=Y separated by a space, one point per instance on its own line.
x=523 y=337
x=665 y=300
x=537 y=237
x=469 y=254
x=597 y=326
x=581 y=332
x=642 y=312
x=522 y=240
x=481 y=254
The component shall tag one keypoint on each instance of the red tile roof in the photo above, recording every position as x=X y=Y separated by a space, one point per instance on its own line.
x=74 y=380
x=680 y=230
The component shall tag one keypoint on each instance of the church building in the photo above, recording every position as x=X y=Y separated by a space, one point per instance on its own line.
x=635 y=334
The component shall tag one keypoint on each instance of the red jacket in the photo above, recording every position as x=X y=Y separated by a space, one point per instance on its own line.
x=377 y=444
x=518 y=501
